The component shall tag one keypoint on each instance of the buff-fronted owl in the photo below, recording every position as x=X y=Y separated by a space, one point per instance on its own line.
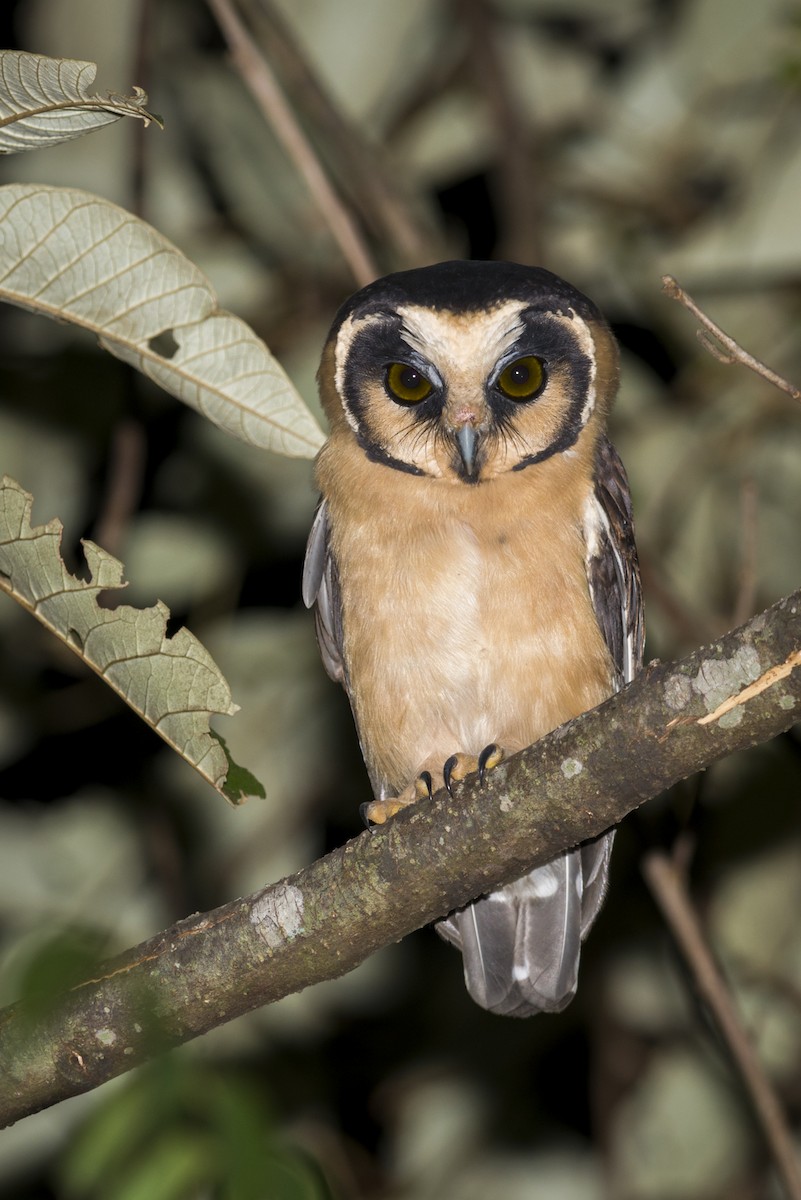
x=473 y=566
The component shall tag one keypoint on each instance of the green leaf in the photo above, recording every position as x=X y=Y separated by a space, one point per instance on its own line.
x=44 y=101
x=173 y=1167
x=75 y=257
x=177 y=1123
x=171 y=682
x=240 y=783
x=113 y=1135
x=66 y=958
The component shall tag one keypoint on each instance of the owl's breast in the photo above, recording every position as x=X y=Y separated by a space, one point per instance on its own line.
x=467 y=619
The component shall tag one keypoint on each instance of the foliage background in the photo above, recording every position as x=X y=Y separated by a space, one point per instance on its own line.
x=611 y=141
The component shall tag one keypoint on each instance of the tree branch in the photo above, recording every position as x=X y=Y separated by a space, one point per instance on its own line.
x=673 y=720
x=721 y=345
x=377 y=192
x=260 y=79
x=670 y=892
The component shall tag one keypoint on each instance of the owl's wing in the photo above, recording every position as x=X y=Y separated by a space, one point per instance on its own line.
x=521 y=944
x=320 y=590
x=613 y=573
x=612 y=568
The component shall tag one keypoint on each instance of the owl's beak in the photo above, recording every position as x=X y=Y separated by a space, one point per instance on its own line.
x=467 y=441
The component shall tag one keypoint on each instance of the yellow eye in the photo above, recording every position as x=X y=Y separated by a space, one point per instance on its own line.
x=522 y=379
x=407 y=384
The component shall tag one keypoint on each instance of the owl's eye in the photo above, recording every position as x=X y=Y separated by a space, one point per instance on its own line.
x=407 y=384
x=522 y=379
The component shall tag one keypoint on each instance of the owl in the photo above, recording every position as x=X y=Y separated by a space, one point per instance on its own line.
x=473 y=568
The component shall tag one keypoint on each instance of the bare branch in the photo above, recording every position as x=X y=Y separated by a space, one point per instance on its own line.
x=127 y=461
x=721 y=345
x=359 y=166
x=670 y=892
x=265 y=89
x=322 y=922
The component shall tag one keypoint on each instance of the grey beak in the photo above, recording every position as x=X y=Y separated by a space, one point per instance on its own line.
x=467 y=441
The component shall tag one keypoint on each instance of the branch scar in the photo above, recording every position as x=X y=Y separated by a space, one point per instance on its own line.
x=278 y=914
x=766 y=680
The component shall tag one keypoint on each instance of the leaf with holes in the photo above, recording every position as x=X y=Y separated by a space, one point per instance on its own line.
x=171 y=682
x=75 y=257
x=44 y=101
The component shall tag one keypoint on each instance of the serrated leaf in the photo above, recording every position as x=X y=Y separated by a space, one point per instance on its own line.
x=171 y=682
x=44 y=101
x=75 y=257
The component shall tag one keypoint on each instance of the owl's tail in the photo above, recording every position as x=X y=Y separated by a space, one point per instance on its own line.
x=521 y=944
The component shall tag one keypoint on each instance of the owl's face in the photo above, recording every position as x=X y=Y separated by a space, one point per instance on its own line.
x=467 y=370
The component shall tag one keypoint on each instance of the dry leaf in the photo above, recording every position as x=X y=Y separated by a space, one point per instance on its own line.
x=171 y=682
x=75 y=257
x=44 y=101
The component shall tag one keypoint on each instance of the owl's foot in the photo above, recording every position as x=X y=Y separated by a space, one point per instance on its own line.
x=459 y=766
x=379 y=811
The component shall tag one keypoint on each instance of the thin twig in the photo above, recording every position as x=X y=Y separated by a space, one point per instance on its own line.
x=361 y=167
x=721 y=345
x=142 y=48
x=127 y=457
x=128 y=450
x=670 y=893
x=264 y=87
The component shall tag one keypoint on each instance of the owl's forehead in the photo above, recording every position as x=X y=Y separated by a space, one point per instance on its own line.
x=448 y=338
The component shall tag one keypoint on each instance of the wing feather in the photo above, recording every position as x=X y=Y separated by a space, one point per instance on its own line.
x=320 y=591
x=521 y=944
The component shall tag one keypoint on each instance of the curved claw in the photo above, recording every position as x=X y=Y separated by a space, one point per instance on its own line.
x=489 y=757
x=425 y=778
x=363 y=814
x=447 y=772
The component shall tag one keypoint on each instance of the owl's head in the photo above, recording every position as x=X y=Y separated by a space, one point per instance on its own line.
x=467 y=370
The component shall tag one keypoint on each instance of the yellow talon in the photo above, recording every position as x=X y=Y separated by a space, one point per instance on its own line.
x=380 y=811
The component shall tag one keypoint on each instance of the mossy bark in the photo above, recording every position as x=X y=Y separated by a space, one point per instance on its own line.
x=673 y=720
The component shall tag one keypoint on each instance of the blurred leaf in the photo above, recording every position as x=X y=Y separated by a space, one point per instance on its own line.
x=181 y=1130
x=45 y=100
x=53 y=462
x=206 y=563
x=72 y=256
x=63 y=960
x=76 y=863
x=116 y=1132
x=680 y=1134
x=171 y=682
x=753 y=916
x=251 y=1159
x=171 y=1167
x=644 y=994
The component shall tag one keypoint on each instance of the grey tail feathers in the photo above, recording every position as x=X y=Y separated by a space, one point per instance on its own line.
x=521 y=944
